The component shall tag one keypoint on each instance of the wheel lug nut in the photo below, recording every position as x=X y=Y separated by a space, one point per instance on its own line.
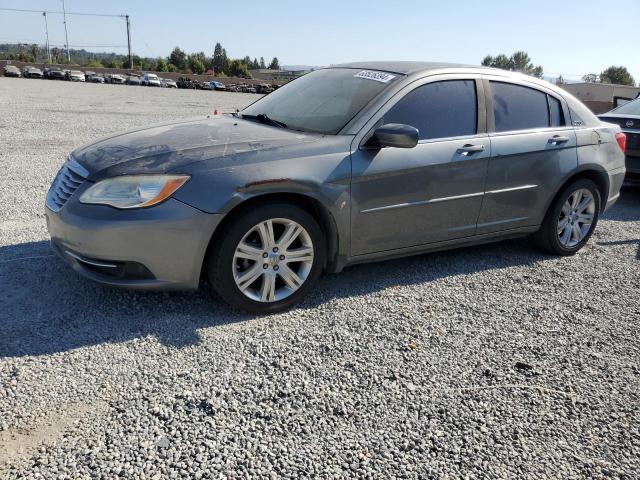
x=281 y=257
x=265 y=266
x=275 y=249
x=275 y=267
x=265 y=255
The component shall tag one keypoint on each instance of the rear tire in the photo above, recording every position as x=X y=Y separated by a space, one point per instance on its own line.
x=571 y=219
x=268 y=258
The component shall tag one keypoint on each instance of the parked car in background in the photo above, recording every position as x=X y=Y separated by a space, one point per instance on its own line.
x=186 y=82
x=215 y=85
x=75 y=76
x=345 y=165
x=95 y=78
x=627 y=116
x=150 y=80
x=32 y=72
x=133 y=80
x=54 y=73
x=12 y=71
x=115 y=78
x=168 y=83
x=88 y=73
x=263 y=88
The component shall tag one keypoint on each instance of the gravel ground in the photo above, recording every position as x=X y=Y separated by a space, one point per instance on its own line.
x=495 y=361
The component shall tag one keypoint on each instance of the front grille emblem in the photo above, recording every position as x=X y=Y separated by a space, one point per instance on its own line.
x=629 y=123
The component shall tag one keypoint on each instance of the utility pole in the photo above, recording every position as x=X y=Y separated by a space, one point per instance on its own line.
x=66 y=36
x=46 y=29
x=129 y=41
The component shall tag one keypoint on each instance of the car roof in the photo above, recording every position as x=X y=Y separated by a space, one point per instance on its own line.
x=402 y=67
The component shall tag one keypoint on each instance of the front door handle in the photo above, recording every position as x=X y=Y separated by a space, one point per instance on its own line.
x=557 y=140
x=469 y=149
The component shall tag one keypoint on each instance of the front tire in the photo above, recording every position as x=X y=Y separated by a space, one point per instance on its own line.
x=269 y=258
x=571 y=219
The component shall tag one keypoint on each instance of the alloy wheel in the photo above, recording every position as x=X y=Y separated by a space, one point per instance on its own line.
x=576 y=217
x=273 y=260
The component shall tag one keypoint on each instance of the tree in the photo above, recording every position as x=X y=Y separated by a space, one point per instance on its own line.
x=34 y=52
x=171 y=67
x=247 y=61
x=196 y=65
x=255 y=65
x=560 y=81
x=274 y=65
x=590 y=78
x=618 y=75
x=178 y=58
x=262 y=64
x=518 y=62
x=55 y=53
x=501 y=61
x=113 y=63
x=219 y=58
x=95 y=64
x=237 y=68
x=161 y=65
x=135 y=60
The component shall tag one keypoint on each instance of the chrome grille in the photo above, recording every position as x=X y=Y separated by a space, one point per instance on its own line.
x=67 y=181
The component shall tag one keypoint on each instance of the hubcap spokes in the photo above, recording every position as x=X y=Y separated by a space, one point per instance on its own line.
x=576 y=217
x=273 y=260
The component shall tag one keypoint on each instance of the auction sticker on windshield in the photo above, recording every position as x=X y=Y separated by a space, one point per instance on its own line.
x=377 y=76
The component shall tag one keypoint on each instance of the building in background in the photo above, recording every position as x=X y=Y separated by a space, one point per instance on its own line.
x=602 y=97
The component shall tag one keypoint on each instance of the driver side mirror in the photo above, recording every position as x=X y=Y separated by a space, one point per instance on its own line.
x=394 y=135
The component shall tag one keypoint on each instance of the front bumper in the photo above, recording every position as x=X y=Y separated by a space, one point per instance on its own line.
x=157 y=248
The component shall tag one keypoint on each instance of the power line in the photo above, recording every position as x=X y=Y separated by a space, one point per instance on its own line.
x=24 y=10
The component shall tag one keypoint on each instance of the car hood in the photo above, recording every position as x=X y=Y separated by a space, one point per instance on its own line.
x=172 y=146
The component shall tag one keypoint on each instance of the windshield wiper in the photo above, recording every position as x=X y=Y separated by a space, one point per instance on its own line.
x=262 y=118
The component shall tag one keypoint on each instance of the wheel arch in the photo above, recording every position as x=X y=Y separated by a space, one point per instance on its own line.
x=321 y=213
x=595 y=174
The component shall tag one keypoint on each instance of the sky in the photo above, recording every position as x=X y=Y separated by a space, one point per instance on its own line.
x=568 y=37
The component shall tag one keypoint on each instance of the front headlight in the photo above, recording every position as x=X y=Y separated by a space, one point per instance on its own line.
x=133 y=191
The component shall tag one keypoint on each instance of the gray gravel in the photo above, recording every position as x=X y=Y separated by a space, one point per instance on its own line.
x=496 y=361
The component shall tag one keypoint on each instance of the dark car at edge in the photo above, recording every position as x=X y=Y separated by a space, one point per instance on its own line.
x=627 y=116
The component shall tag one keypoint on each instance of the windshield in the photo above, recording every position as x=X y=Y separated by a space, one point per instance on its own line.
x=631 y=108
x=152 y=77
x=323 y=101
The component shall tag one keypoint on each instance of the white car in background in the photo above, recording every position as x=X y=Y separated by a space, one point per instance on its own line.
x=150 y=80
x=168 y=83
x=75 y=76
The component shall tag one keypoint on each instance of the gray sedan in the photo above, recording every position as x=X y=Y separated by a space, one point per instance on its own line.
x=348 y=164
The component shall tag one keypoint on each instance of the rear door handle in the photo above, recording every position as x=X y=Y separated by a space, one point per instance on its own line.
x=470 y=149
x=557 y=140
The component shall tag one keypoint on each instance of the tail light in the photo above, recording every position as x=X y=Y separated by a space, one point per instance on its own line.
x=621 y=138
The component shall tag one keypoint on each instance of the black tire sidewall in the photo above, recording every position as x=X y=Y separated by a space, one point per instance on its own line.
x=219 y=268
x=551 y=224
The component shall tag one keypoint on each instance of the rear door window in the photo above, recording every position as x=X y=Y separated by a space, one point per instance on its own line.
x=439 y=109
x=518 y=108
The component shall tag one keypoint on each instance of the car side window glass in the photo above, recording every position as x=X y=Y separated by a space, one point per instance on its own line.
x=518 y=108
x=555 y=112
x=438 y=110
